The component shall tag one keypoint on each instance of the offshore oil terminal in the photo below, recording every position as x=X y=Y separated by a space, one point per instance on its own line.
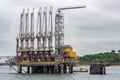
x=43 y=50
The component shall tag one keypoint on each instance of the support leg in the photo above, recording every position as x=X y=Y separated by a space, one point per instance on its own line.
x=28 y=69
x=20 y=69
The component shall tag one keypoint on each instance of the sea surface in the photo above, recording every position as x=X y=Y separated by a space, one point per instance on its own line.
x=112 y=73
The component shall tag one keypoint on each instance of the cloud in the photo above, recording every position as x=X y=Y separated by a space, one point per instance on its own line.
x=90 y=30
x=96 y=29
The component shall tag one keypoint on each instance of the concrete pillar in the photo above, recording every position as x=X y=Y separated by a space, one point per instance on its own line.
x=52 y=69
x=28 y=69
x=48 y=69
x=55 y=69
x=33 y=69
x=64 y=68
x=104 y=72
x=70 y=69
x=20 y=69
x=45 y=69
x=42 y=69
x=59 y=69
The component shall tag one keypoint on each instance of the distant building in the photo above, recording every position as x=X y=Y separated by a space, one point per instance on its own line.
x=4 y=59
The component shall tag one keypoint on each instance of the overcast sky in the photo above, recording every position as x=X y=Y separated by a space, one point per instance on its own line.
x=93 y=29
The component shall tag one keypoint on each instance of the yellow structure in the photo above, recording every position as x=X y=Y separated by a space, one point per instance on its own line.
x=70 y=53
x=67 y=53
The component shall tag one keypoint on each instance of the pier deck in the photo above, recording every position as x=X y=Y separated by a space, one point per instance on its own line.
x=29 y=63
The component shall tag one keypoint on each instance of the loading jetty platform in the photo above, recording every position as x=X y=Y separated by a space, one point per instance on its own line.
x=42 y=50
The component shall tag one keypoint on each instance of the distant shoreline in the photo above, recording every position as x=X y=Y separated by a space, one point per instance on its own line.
x=107 y=64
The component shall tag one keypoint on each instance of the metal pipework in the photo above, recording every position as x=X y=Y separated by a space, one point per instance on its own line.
x=23 y=23
x=32 y=30
x=17 y=45
x=27 y=30
x=40 y=26
x=27 y=25
x=50 y=38
x=39 y=30
x=59 y=9
x=21 y=33
x=59 y=30
x=59 y=25
x=45 y=28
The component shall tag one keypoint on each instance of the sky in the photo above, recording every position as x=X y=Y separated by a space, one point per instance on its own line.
x=93 y=29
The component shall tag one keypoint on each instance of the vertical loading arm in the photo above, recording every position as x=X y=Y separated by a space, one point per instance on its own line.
x=45 y=28
x=32 y=30
x=21 y=33
x=39 y=30
x=59 y=25
x=27 y=30
x=50 y=38
x=59 y=28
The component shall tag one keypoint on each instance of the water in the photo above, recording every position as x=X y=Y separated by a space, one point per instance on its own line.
x=113 y=73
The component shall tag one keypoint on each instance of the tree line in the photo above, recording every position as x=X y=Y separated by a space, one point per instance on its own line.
x=109 y=57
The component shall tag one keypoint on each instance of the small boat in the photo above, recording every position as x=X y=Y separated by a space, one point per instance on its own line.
x=81 y=70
